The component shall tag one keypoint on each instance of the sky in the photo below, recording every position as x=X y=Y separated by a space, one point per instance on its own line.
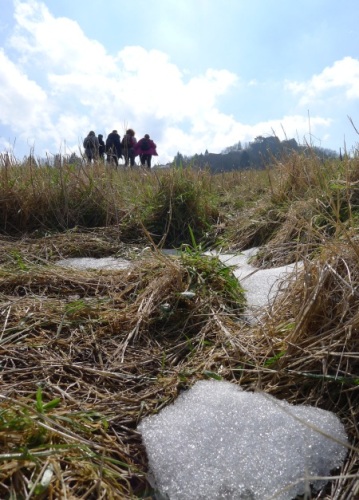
x=196 y=75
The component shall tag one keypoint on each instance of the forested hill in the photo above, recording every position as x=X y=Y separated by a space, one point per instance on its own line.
x=256 y=154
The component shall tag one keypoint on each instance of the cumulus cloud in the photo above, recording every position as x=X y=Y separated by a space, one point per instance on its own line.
x=62 y=84
x=16 y=89
x=343 y=75
x=24 y=107
x=42 y=39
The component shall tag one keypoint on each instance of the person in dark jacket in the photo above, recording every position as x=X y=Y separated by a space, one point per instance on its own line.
x=102 y=147
x=91 y=146
x=129 y=142
x=113 y=147
x=146 y=148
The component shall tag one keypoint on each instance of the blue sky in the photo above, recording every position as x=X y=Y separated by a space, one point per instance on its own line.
x=194 y=74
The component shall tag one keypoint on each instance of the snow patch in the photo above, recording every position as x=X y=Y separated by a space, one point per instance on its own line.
x=217 y=441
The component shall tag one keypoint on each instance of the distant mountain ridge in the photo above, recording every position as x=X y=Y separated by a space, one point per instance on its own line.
x=257 y=154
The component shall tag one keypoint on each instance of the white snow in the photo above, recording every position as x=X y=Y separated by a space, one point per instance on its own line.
x=91 y=263
x=260 y=285
x=219 y=442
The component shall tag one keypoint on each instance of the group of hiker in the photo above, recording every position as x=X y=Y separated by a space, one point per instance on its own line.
x=114 y=148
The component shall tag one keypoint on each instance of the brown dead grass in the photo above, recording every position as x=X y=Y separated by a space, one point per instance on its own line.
x=105 y=345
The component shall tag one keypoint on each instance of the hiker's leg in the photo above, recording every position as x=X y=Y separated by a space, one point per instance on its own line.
x=132 y=159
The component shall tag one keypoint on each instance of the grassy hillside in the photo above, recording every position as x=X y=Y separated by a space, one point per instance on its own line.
x=85 y=355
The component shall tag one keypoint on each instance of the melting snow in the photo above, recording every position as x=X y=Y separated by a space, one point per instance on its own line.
x=260 y=285
x=219 y=442
x=91 y=263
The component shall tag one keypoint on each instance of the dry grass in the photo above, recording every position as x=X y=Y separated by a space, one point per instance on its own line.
x=311 y=341
x=105 y=345
x=165 y=203
x=85 y=355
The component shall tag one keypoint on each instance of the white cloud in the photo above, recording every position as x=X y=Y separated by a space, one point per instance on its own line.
x=59 y=43
x=77 y=86
x=24 y=107
x=16 y=88
x=342 y=75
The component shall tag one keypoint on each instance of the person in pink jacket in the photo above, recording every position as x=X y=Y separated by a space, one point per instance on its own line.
x=146 y=148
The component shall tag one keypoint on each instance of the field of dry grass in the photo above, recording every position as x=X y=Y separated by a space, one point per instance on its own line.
x=85 y=355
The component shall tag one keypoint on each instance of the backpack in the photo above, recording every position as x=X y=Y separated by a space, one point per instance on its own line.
x=145 y=144
x=89 y=143
x=127 y=142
